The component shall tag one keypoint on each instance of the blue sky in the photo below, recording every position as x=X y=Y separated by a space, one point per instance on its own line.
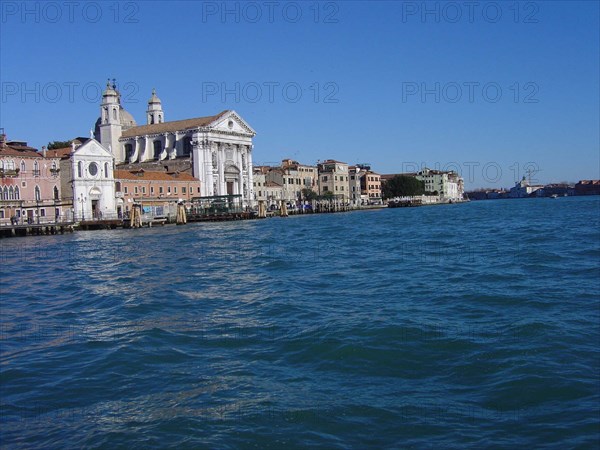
x=492 y=89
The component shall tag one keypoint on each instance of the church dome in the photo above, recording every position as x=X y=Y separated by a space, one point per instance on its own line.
x=127 y=120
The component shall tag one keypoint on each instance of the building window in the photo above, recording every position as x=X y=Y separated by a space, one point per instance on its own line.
x=160 y=189
x=55 y=193
x=11 y=194
x=183 y=190
x=168 y=189
x=1 y=214
x=106 y=169
x=80 y=169
x=118 y=186
x=43 y=212
x=152 y=190
x=36 y=169
x=17 y=193
x=38 y=196
x=126 y=190
x=5 y=193
x=23 y=166
x=135 y=190
x=198 y=189
x=143 y=189
x=175 y=190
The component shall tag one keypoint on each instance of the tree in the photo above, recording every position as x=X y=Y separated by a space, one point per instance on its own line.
x=58 y=144
x=309 y=194
x=403 y=186
x=327 y=195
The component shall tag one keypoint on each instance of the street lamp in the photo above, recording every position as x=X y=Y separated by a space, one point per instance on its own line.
x=82 y=199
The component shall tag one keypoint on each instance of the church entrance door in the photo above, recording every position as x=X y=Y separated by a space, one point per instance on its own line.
x=95 y=208
x=230 y=188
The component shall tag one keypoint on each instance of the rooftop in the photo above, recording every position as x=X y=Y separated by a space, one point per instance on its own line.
x=151 y=175
x=175 y=125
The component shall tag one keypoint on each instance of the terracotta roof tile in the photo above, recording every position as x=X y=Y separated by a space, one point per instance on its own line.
x=175 y=125
x=64 y=152
x=28 y=152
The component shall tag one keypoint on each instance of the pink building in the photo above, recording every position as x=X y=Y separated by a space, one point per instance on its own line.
x=29 y=184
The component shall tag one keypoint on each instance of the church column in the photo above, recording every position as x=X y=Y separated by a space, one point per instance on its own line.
x=221 y=168
x=199 y=164
x=250 y=175
x=208 y=169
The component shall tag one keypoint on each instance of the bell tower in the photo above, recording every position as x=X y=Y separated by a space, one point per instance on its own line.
x=110 y=120
x=155 y=113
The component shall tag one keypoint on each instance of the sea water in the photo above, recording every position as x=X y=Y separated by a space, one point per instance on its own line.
x=443 y=326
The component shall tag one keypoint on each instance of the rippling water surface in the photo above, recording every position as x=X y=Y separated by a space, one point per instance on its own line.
x=461 y=325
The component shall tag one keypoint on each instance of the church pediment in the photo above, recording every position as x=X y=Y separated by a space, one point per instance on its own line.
x=92 y=148
x=232 y=123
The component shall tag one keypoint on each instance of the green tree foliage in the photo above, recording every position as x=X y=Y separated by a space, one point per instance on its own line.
x=58 y=144
x=309 y=194
x=403 y=185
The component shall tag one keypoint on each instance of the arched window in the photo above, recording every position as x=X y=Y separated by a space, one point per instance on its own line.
x=115 y=113
x=5 y=193
x=53 y=165
x=118 y=186
x=80 y=169
x=106 y=114
x=159 y=118
x=106 y=169
x=11 y=194
x=17 y=193
x=36 y=169
x=1 y=164
x=38 y=195
x=23 y=167
x=10 y=165
x=55 y=193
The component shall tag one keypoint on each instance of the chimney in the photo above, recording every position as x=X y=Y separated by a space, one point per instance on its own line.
x=2 y=139
x=44 y=151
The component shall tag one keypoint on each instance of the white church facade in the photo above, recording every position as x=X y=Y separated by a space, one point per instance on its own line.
x=89 y=171
x=218 y=148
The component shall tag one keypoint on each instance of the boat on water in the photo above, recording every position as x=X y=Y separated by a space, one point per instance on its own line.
x=554 y=196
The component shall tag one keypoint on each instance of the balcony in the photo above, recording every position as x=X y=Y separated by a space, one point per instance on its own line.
x=10 y=173
x=54 y=171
